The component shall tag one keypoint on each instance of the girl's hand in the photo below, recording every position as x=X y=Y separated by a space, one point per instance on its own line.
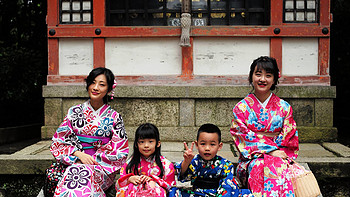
x=188 y=154
x=136 y=180
x=145 y=179
x=278 y=153
x=85 y=158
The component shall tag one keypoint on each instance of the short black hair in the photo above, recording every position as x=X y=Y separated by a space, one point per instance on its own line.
x=99 y=71
x=266 y=63
x=209 y=128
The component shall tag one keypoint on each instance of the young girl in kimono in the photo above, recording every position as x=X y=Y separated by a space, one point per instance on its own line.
x=265 y=134
x=147 y=168
x=91 y=141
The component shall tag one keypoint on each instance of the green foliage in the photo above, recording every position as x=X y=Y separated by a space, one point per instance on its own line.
x=23 y=61
x=21 y=185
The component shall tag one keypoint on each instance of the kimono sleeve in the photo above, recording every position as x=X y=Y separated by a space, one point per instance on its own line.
x=190 y=173
x=113 y=155
x=288 y=140
x=124 y=176
x=248 y=143
x=64 y=141
x=168 y=180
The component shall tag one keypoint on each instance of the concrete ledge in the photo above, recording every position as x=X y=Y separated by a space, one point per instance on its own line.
x=79 y=91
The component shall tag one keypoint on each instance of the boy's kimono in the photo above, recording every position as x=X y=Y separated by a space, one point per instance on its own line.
x=99 y=133
x=257 y=131
x=216 y=169
x=149 y=168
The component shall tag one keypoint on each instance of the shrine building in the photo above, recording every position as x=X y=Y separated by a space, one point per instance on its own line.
x=179 y=83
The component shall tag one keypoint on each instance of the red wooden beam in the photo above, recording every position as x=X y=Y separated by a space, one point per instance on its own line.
x=187 y=60
x=53 y=68
x=323 y=56
x=88 y=31
x=52 y=13
x=276 y=51
x=99 y=52
x=276 y=12
x=99 y=13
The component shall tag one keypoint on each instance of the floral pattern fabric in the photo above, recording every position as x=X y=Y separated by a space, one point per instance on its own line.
x=89 y=180
x=217 y=168
x=257 y=131
x=149 y=168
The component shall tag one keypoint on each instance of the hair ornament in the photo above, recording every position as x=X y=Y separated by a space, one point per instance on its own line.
x=114 y=86
x=279 y=74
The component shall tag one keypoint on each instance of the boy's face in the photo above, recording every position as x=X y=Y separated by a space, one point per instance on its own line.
x=208 y=145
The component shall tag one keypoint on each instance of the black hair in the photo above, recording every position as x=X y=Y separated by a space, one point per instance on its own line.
x=109 y=77
x=268 y=64
x=209 y=128
x=145 y=131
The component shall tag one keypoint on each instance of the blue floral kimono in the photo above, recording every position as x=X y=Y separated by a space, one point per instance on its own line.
x=218 y=169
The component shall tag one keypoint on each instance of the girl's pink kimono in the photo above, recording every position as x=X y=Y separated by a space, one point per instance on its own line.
x=256 y=131
x=148 y=167
x=99 y=133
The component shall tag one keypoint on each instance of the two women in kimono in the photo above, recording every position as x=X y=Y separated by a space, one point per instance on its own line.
x=91 y=141
x=265 y=134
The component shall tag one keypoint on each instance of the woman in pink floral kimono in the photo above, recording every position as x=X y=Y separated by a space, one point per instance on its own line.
x=265 y=134
x=91 y=141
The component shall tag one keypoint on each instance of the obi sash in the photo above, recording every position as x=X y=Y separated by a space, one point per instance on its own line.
x=92 y=143
x=206 y=183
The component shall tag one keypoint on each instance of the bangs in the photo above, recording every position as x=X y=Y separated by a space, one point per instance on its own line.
x=147 y=133
x=267 y=66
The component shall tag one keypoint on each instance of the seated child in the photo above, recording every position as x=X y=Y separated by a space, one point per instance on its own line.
x=147 y=167
x=210 y=174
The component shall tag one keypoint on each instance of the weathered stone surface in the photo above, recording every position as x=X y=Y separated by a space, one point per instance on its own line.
x=79 y=91
x=53 y=111
x=180 y=110
x=338 y=148
x=161 y=112
x=187 y=116
x=218 y=111
x=317 y=134
x=303 y=111
x=324 y=112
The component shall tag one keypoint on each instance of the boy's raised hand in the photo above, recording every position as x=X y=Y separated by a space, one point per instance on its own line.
x=188 y=154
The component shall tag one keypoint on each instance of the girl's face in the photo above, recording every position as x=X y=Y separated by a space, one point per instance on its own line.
x=98 y=88
x=147 y=146
x=262 y=81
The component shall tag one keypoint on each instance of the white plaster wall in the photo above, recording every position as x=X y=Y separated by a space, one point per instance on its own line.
x=227 y=56
x=143 y=56
x=75 y=56
x=300 y=56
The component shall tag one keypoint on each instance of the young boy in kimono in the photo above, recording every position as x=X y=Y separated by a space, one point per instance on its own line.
x=210 y=174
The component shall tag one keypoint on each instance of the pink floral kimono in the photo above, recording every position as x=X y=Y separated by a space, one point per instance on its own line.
x=148 y=167
x=99 y=133
x=256 y=131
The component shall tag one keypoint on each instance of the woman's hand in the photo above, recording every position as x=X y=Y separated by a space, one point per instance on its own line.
x=85 y=158
x=278 y=153
x=136 y=180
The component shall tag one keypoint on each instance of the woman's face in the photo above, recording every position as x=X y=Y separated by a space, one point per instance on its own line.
x=262 y=81
x=98 y=88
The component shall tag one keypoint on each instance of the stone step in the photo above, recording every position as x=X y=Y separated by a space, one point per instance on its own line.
x=325 y=160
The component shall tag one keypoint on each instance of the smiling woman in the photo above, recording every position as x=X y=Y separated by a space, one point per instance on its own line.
x=91 y=141
x=265 y=133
